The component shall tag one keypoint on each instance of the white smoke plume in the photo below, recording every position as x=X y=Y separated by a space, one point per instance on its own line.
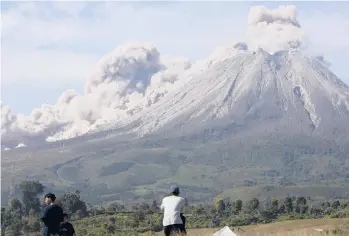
x=135 y=76
x=275 y=30
x=131 y=77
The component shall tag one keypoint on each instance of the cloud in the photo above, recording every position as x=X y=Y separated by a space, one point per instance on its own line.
x=51 y=68
x=82 y=32
x=329 y=31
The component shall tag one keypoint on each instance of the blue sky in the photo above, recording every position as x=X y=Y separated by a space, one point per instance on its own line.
x=48 y=47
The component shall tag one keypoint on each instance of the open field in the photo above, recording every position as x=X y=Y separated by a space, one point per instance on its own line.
x=286 y=228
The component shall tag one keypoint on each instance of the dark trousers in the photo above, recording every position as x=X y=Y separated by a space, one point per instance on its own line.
x=176 y=228
x=45 y=233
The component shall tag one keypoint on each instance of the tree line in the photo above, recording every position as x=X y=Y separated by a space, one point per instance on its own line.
x=21 y=216
x=115 y=219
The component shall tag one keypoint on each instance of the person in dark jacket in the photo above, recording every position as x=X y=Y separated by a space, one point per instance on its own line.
x=66 y=228
x=52 y=216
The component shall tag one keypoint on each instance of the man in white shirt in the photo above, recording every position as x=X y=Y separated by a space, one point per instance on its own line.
x=172 y=205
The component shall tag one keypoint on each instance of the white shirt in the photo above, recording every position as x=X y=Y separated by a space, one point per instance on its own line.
x=172 y=209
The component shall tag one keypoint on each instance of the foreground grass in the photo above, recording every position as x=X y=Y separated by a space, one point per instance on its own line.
x=318 y=227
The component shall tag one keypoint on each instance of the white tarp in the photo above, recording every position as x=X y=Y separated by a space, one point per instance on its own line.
x=226 y=231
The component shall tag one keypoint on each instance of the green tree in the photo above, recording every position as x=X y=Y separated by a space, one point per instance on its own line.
x=325 y=205
x=281 y=209
x=220 y=205
x=112 y=207
x=144 y=206
x=15 y=205
x=268 y=215
x=30 y=191
x=288 y=204
x=11 y=222
x=154 y=206
x=215 y=221
x=301 y=201
x=72 y=203
x=229 y=208
x=6 y=219
x=253 y=205
x=15 y=227
x=335 y=204
x=301 y=205
x=33 y=213
x=267 y=202
x=275 y=205
x=345 y=205
x=314 y=211
x=237 y=206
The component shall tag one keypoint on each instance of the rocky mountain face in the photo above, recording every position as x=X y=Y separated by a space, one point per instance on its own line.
x=283 y=91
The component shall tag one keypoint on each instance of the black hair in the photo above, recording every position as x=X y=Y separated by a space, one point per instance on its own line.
x=51 y=196
x=65 y=215
x=174 y=190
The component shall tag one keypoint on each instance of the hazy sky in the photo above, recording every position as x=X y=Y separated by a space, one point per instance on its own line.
x=48 y=47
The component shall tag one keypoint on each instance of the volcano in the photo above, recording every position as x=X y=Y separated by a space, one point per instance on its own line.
x=242 y=117
x=285 y=91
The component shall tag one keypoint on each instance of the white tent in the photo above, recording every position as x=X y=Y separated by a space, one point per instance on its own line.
x=226 y=231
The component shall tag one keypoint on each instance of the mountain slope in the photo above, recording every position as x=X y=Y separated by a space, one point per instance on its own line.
x=201 y=164
x=287 y=89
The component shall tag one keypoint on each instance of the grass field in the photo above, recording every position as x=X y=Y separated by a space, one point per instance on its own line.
x=329 y=227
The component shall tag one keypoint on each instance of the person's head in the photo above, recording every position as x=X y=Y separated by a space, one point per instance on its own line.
x=65 y=217
x=174 y=190
x=50 y=198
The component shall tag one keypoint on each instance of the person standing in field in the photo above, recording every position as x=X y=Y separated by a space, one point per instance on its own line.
x=52 y=216
x=173 y=220
x=66 y=228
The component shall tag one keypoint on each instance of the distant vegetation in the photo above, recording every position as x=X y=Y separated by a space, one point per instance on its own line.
x=204 y=165
x=21 y=216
